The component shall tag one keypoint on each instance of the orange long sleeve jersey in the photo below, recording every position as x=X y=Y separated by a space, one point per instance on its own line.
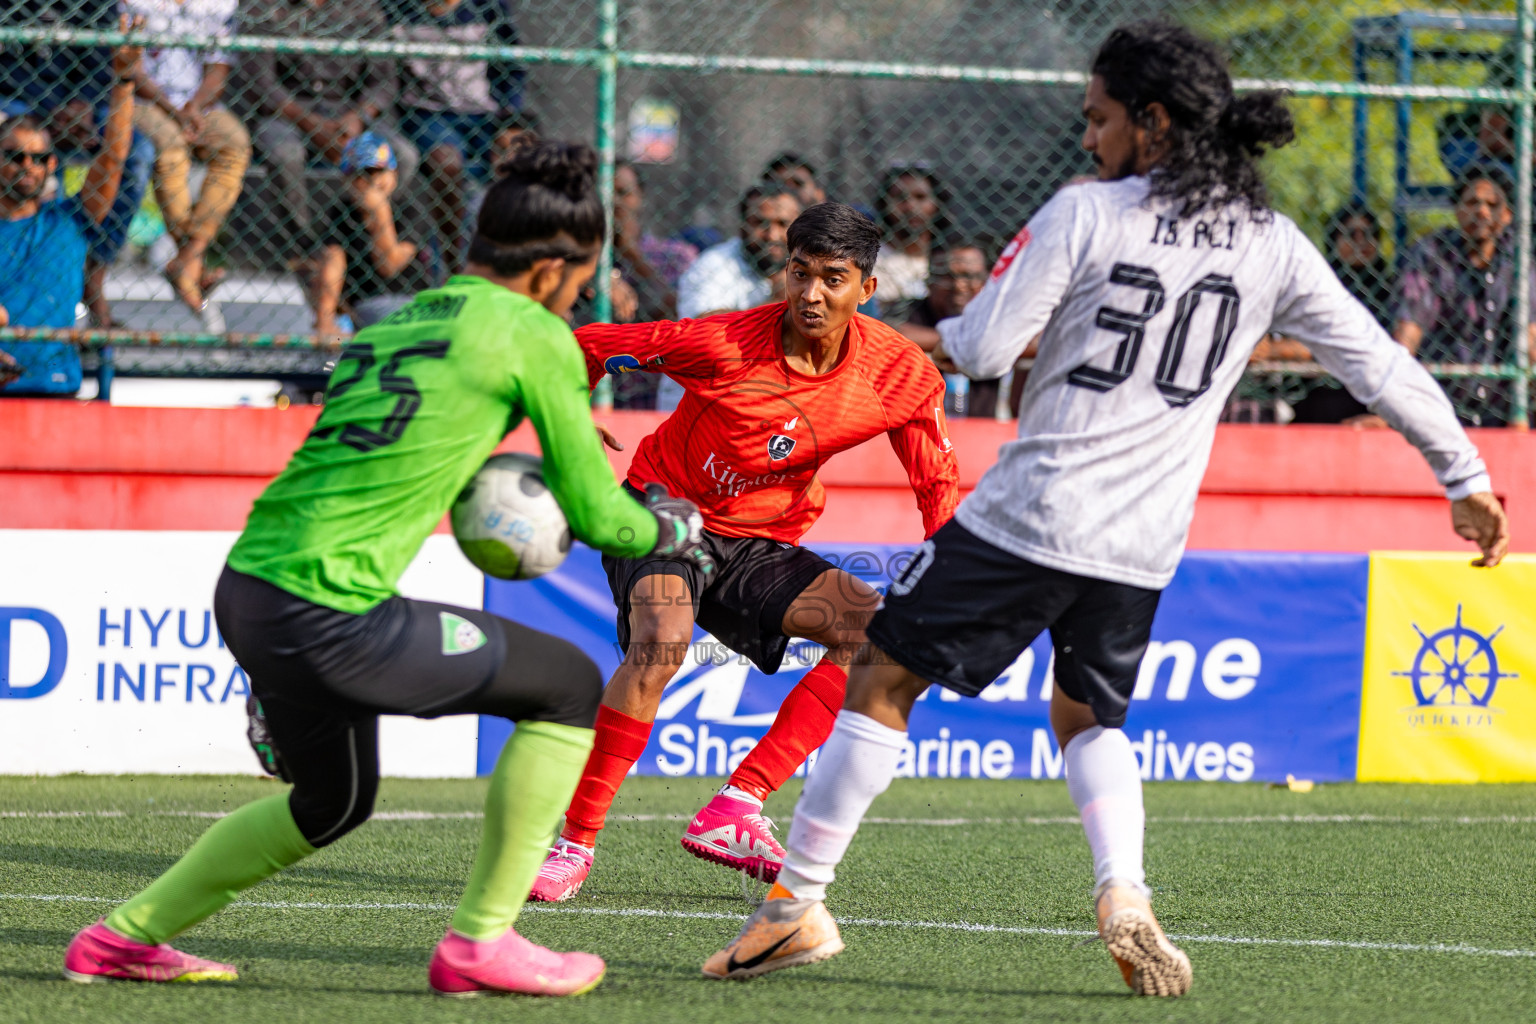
x=750 y=433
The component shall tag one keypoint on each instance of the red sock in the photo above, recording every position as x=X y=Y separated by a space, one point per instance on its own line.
x=803 y=723
x=620 y=742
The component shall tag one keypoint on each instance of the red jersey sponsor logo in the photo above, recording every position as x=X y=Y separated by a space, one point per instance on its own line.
x=732 y=482
x=1011 y=252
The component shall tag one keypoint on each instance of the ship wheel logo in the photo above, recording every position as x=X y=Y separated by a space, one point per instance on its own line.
x=1456 y=667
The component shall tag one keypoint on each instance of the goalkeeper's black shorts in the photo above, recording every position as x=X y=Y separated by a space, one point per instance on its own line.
x=324 y=676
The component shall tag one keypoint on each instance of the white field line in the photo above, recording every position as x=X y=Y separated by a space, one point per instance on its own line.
x=1253 y=819
x=854 y=922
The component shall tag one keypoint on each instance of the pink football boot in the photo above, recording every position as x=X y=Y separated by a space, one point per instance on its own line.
x=561 y=874
x=462 y=967
x=100 y=954
x=735 y=833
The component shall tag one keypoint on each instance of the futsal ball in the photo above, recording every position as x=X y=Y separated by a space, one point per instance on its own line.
x=507 y=521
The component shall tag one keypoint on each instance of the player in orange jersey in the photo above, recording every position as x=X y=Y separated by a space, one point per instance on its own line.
x=771 y=394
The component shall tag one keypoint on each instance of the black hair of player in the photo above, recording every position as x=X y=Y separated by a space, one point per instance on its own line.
x=1214 y=136
x=1491 y=173
x=941 y=224
x=760 y=191
x=543 y=206
x=785 y=161
x=836 y=231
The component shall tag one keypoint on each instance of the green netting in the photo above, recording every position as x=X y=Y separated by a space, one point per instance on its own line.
x=981 y=96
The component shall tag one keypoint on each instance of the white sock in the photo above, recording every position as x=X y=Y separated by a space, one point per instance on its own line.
x=1105 y=783
x=856 y=765
x=742 y=795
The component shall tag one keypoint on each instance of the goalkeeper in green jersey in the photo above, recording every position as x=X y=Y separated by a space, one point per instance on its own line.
x=308 y=601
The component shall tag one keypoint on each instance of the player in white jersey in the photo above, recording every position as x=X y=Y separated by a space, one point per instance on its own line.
x=1148 y=290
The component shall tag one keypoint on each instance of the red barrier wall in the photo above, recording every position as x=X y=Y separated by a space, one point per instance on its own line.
x=79 y=465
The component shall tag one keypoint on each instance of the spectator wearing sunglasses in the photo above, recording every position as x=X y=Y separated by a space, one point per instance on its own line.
x=43 y=244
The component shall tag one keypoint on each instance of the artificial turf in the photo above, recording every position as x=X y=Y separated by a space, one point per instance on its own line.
x=1415 y=865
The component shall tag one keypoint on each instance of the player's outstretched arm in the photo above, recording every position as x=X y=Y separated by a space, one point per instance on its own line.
x=555 y=397
x=1029 y=281
x=660 y=346
x=1315 y=308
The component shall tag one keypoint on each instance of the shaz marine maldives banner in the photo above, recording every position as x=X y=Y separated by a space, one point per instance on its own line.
x=1253 y=673
x=109 y=662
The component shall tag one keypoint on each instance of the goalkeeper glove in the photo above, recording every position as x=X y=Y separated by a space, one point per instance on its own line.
x=679 y=529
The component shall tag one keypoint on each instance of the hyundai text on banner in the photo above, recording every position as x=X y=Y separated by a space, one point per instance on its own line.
x=110 y=660
x=1253 y=673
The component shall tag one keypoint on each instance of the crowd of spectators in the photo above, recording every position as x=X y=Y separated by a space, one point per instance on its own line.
x=1450 y=301
x=375 y=125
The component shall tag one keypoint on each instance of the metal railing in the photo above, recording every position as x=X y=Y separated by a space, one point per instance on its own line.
x=612 y=53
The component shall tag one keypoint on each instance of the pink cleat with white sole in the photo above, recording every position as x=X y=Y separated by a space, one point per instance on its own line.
x=736 y=834
x=561 y=874
x=98 y=953
x=511 y=965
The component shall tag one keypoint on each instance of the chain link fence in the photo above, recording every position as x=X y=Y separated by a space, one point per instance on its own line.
x=239 y=240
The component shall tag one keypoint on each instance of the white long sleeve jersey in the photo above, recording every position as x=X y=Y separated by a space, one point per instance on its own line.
x=1146 y=321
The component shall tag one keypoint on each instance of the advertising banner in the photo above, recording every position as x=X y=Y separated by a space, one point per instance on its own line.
x=1450 y=670
x=110 y=660
x=1253 y=673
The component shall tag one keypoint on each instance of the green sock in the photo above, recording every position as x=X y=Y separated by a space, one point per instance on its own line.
x=254 y=842
x=534 y=780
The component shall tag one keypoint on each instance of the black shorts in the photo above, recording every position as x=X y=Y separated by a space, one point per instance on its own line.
x=403 y=657
x=756 y=581
x=964 y=609
x=324 y=676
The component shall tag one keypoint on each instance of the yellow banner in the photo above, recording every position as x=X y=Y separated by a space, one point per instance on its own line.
x=1450 y=670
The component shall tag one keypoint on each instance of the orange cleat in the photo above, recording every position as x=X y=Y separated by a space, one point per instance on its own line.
x=1150 y=964
x=783 y=932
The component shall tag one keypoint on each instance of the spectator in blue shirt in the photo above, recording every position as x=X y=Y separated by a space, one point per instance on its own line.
x=44 y=243
x=66 y=88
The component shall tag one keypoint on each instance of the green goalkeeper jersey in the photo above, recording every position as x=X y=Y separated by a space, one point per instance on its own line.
x=414 y=407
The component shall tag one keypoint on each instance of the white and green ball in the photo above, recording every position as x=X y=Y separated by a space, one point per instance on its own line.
x=507 y=521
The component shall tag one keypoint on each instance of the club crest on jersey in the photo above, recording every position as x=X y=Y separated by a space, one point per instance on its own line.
x=460 y=636
x=779 y=447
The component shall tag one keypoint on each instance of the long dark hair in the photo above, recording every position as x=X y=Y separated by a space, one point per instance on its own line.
x=544 y=205
x=1214 y=137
